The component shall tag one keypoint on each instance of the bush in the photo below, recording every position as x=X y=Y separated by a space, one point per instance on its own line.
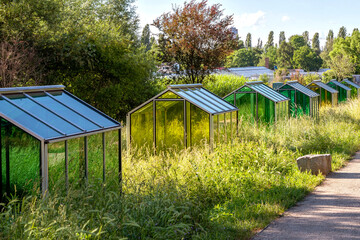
x=223 y=84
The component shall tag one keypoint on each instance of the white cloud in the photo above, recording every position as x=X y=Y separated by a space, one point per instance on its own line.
x=285 y=18
x=249 y=19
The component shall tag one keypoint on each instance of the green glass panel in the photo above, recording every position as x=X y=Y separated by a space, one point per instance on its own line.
x=169 y=124
x=271 y=110
x=230 y=99
x=199 y=130
x=24 y=160
x=246 y=103
x=169 y=95
x=141 y=127
x=95 y=158
x=57 y=166
x=112 y=159
x=76 y=160
x=261 y=108
x=246 y=89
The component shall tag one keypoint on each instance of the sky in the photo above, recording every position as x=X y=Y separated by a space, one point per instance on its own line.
x=259 y=17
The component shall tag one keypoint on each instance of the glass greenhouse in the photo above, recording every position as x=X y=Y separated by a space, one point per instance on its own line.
x=258 y=102
x=179 y=117
x=328 y=95
x=344 y=91
x=302 y=99
x=49 y=137
x=355 y=89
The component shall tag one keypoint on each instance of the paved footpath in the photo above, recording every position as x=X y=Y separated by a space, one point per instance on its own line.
x=331 y=211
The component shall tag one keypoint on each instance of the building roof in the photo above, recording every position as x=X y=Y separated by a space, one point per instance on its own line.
x=50 y=113
x=251 y=71
x=340 y=85
x=301 y=88
x=197 y=95
x=323 y=85
x=261 y=88
x=351 y=83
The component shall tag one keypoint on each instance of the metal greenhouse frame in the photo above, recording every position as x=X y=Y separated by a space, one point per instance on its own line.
x=302 y=99
x=43 y=116
x=344 y=91
x=328 y=95
x=355 y=89
x=181 y=116
x=259 y=102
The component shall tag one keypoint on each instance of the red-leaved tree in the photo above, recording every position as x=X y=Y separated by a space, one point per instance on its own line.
x=198 y=37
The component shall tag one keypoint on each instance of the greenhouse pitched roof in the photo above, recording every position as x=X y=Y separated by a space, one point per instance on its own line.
x=323 y=85
x=351 y=83
x=266 y=91
x=50 y=113
x=202 y=98
x=340 y=85
x=301 y=88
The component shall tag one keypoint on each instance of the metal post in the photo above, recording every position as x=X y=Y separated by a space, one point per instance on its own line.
x=120 y=162
x=257 y=108
x=66 y=165
x=211 y=137
x=1 y=183
x=185 y=126
x=104 y=156
x=128 y=132
x=86 y=159
x=154 y=126
x=44 y=168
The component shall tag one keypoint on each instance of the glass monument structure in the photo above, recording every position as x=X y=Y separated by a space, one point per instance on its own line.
x=328 y=95
x=50 y=137
x=355 y=88
x=344 y=91
x=302 y=100
x=179 y=117
x=258 y=102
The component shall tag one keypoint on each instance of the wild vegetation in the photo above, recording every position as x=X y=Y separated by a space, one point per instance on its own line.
x=229 y=193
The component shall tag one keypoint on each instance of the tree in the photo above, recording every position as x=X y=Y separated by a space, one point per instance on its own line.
x=199 y=37
x=242 y=58
x=281 y=37
x=271 y=54
x=306 y=58
x=285 y=55
x=240 y=44
x=259 y=44
x=270 y=41
x=297 y=41
x=316 y=43
x=329 y=41
x=342 y=66
x=145 y=37
x=354 y=31
x=248 y=41
x=342 y=32
x=306 y=36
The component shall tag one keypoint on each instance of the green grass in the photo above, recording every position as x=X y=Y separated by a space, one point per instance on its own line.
x=229 y=193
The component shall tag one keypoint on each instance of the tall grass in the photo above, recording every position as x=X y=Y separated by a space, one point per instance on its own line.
x=229 y=193
x=223 y=84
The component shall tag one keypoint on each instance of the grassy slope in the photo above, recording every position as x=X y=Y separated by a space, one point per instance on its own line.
x=227 y=194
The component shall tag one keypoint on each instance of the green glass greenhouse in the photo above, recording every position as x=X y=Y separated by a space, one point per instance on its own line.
x=344 y=91
x=302 y=100
x=179 y=117
x=328 y=95
x=258 y=102
x=48 y=136
x=355 y=89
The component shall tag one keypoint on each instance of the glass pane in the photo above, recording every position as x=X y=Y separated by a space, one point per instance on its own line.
x=57 y=166
x=95 y=159
x=196 y=101
x=27 y=121
x=76 y=161
x=22 y=171
x=246 y=103
x=169 y=95
x=83 y=109
x=65 y=112
x=216 y=129
x=230 y=99
x=261 y=108
x=43 y=114
x=199 y=126
x=222 y=128
x=112 y=160
x=228 y=126
x=246 y=89
x=169 y=124
x=141 y=127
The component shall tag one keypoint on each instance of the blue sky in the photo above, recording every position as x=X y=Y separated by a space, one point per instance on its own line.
x=259 y=17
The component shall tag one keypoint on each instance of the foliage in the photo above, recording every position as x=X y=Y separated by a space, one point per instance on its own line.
x=307 y=59
x=270 y=41
x=306 y=37
x=243 y=58
x=285 y=55
x=248 y=44
x=223 y=84
x=230 y=193
x=145 y=37
x=282 y=37
x=342 y=66
x=342 y=32
x=271 y=54
x=297 y=41
x=328 y=75
x=316 y=43
x=198 y=37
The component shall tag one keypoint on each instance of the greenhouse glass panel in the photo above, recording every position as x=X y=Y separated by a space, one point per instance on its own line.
x=246 y=102
x=76 y=162
x=246 y=89
x=57 y=177
x=228 y=125
x=20 y=161
x=95 y=159
x=169 y=124
x=142 y=126
x=230 y=99
x=234 y=123
x=111 y=162
x=199 y=127
x=261 y=108
x=169 y=95
x=216 y=129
